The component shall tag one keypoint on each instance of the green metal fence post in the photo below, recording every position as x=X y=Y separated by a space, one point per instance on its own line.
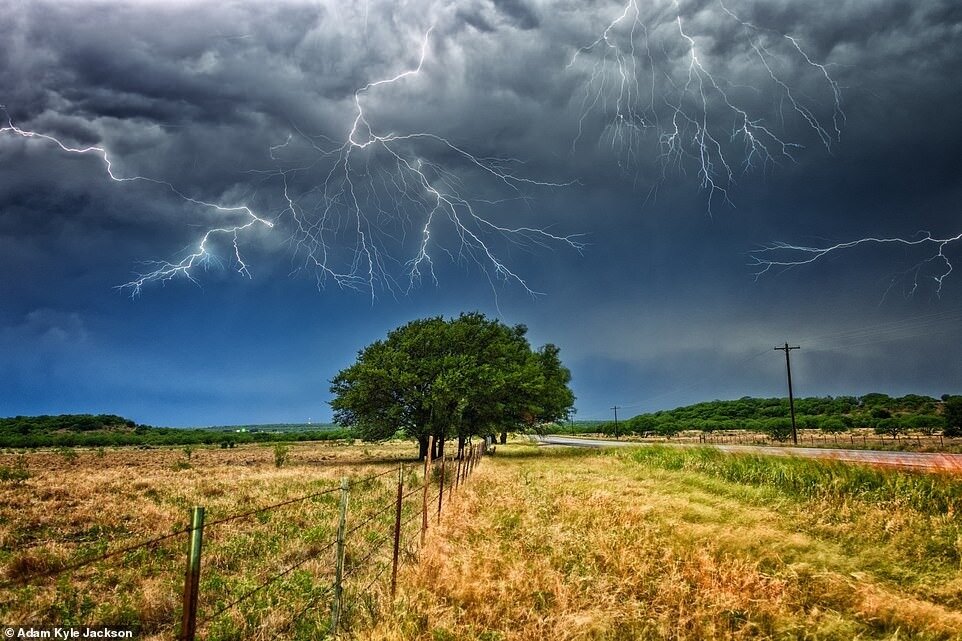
x=188 y=624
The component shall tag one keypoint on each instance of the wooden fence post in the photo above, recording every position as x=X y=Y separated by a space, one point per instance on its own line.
x=188 y=625
x=441 y=489
x=427 y=483
x=397 y=529
x=339 y=560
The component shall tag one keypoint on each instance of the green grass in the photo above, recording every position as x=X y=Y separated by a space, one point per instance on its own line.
x=687 y=544
x=925 y=493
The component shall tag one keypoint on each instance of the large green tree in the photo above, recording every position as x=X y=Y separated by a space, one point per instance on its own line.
x=457 y=378
x=952 y=411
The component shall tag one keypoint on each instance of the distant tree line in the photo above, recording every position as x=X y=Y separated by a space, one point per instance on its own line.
x=885 y=414
x=108 y=430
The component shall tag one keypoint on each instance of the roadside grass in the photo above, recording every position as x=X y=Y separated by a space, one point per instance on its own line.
x=687 y=544
x=68 y=509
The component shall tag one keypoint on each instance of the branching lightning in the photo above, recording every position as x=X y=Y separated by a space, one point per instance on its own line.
x=373 y=209
x=647 y=74
x=935 y=267
x=352 y=205
x=417 y=183
x=165 y=271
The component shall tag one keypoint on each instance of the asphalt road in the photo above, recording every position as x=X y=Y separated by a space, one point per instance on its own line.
x=911 y=460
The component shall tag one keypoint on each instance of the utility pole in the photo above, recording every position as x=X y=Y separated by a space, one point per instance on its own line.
x=615 y=408
x=791 y=397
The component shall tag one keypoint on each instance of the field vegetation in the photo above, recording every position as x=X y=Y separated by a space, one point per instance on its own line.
x=108 y=430
x=652 y=542
x=64 y=509
x=883 y=415
x=666 y=543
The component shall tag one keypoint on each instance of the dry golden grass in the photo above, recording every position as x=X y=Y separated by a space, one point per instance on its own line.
x=559 y=544
x=540 y=545
x=74 y=507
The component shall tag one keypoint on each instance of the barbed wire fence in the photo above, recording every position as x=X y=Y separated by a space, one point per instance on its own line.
x=365 y=529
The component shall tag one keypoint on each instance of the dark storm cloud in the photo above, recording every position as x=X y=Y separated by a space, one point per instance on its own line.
x=198 y=94
x=248 y=73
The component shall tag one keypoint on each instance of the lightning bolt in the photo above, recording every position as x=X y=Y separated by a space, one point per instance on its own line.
x=782 y=256
x=164 y=271
x=364 y=197
x=647 y=74
x=416 y=184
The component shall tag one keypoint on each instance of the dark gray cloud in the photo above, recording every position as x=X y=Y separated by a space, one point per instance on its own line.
x=249 y=103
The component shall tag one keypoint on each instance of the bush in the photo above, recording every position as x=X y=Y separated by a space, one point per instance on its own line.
x=889 y=426
x=832 y=425
x=952 y=411
x=68 y=453
x=16 y=473
x=780 y=429
x=925 y=423
x=280 y=455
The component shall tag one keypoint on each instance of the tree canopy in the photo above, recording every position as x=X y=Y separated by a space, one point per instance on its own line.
x=889 y=414
x=462 y=377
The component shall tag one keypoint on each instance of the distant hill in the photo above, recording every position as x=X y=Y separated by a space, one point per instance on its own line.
x=66 y=423
x=271 y=427
x=90 y=430
x=831 y=414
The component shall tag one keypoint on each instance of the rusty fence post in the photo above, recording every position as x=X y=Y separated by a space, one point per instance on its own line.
x=427 y=484
x=441 y=489
x=397 y=528
x=188 y=625
x=457 y=475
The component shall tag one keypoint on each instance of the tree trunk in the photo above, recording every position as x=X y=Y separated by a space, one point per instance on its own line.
x=422 y=447
x=460 y=447
x=440 y=447
x=504 y=438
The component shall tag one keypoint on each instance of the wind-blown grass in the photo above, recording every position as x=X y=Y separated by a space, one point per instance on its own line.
x=926 y=493
x=685 y=545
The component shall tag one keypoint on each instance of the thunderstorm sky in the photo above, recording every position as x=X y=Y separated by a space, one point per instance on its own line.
x=602 y=172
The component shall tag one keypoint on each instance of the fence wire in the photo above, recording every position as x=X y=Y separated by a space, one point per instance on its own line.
x=356 y=567
x=263 y=585
x=71 y=567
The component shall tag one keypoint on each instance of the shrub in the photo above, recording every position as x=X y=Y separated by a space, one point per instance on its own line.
x=16 y=473
x=952 y=411
x=68 y=453
x=280 y=454
x=780 y=428
x=832 y=425
x=890 y=426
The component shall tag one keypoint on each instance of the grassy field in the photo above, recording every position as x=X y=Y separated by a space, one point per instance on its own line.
x=543 y=543
x=69 y=506
x=658 y=543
